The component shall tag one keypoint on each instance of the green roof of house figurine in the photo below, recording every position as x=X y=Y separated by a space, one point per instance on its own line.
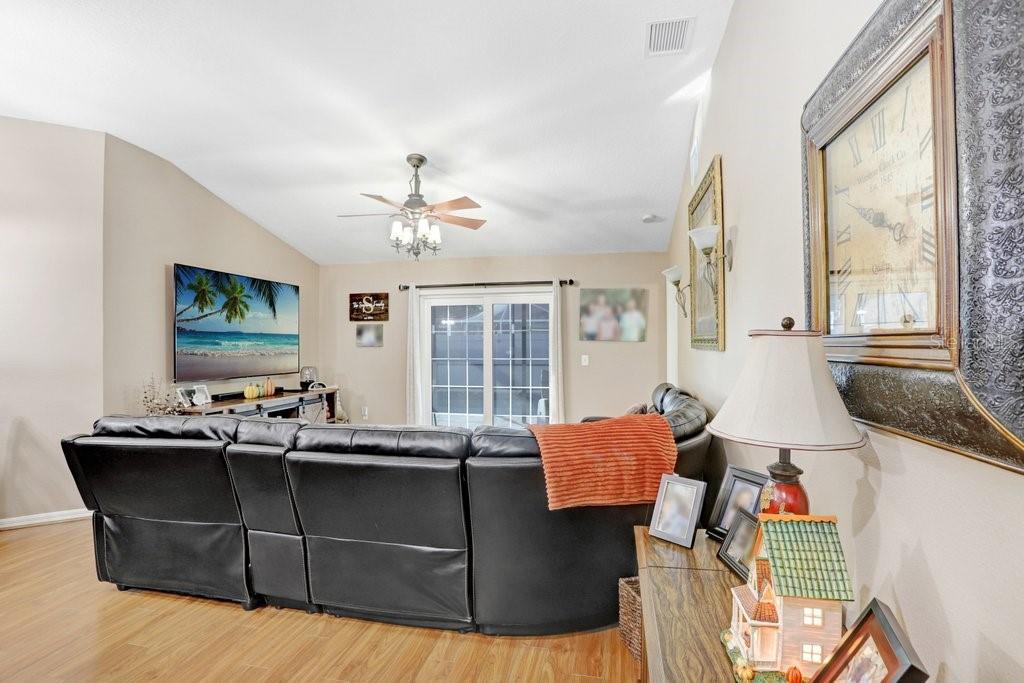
x=798 y=571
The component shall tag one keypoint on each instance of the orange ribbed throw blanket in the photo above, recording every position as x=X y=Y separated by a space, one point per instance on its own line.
x=610 y=462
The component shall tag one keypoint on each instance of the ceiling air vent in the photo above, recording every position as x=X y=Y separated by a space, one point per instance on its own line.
x=668 y=37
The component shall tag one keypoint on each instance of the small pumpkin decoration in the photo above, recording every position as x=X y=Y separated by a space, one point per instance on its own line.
x=268 y=387
x=793 y=675
x=250 y=391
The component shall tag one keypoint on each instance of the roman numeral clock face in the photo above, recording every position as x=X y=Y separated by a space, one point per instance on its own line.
x=880 y=215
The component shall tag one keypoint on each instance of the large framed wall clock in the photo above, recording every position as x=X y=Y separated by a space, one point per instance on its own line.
x=885 y=262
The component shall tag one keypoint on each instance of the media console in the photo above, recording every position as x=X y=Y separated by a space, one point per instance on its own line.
x=289 y=404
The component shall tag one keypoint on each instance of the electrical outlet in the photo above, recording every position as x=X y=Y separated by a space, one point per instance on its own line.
x=366 y=413
x=584 y=360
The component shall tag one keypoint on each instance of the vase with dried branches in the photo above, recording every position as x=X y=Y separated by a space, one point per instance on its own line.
x=158 y=399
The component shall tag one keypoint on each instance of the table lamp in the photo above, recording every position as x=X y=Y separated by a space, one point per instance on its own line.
x=785 y=398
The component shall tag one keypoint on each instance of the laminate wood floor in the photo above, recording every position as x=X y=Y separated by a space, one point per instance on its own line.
x=58 y=623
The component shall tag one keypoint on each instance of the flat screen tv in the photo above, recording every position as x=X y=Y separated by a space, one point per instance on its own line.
x=229 y=326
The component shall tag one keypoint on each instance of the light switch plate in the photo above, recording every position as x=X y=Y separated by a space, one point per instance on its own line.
x=584 y=360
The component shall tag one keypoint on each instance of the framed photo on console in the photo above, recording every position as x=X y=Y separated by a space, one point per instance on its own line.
x=741 y=490
x=677 y=510
x=736 y=547
x=874 y=649
x=201 y=395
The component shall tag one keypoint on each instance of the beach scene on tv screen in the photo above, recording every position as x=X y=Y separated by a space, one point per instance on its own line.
x=228 y=325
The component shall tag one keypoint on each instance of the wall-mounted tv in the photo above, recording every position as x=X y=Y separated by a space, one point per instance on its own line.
x=228 y=326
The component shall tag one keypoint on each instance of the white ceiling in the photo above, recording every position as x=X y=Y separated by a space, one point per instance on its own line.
x=546 y=113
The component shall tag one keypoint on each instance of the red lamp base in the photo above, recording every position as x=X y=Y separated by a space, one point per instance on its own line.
x=788 y=494
x=788 y=497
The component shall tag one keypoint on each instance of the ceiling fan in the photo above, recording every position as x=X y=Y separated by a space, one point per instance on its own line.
x=415 y=226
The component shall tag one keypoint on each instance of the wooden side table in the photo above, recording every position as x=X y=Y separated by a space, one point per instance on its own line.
x=686 y=605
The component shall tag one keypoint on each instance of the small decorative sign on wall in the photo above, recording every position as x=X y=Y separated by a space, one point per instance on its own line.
x=368 y=306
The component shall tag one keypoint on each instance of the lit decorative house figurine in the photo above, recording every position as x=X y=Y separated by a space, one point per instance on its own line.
x=789 y=613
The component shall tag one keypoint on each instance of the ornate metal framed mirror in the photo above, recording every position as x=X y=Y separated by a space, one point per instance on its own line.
x=914 y=240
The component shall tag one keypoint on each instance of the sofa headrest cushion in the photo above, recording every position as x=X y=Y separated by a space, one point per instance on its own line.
x=268 y=431
x=215 y=427
x=423 y=442
x=501 y=442
x=685 y=415
x=158 y=426
x=212 y=427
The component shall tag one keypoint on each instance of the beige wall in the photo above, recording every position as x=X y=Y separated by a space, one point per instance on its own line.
x=155 y=216
x=619 y=375
x=51 y=304
x=932 y=533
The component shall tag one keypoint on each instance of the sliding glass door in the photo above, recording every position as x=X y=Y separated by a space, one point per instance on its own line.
x=487 y=356
x=456 y=364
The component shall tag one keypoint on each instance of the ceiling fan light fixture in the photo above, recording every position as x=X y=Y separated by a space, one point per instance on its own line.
x=422 y=228
x=415 y=228
x=408 y=236
x=397 y=224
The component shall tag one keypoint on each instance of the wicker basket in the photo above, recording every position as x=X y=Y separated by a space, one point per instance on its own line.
x=631 y=627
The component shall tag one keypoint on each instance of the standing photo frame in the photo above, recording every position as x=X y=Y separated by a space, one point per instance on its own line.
x=677 y=510
x=735 y=549
x=874 y=649
x=201 y=395
x=741 y=489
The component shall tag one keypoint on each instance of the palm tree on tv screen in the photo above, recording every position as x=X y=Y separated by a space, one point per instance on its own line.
x=206 y=285
x=265 y=291
x=205 y=295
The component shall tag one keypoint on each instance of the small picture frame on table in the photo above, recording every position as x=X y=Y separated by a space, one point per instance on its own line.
x=874 y=649
x=677 y=510
x=741 y=490
x=184 y=396
x=201 y=396
x=735 y=549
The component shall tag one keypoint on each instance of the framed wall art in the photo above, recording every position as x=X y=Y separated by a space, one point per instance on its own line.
x=369 y=335
x=368 y=307
x=707 y=275
x=909 y=266
x=613 y=315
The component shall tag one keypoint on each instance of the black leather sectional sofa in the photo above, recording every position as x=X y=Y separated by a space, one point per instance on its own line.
x=413 y=525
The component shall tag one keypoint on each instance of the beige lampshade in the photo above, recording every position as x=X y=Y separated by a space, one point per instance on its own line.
x=785 y=397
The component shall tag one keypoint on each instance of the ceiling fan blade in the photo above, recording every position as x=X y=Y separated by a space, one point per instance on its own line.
x=471 y=223
x=383 y=199
x=360 y=215
x=452 y=205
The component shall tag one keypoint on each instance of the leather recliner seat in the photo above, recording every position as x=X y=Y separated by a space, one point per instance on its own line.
x=539 y=571
x=164 y=510
x=384 y=513
x=277 y=546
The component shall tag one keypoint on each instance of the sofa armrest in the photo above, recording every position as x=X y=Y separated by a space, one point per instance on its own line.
x=692 y=458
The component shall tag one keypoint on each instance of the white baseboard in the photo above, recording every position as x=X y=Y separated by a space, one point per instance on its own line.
x=44 y=518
